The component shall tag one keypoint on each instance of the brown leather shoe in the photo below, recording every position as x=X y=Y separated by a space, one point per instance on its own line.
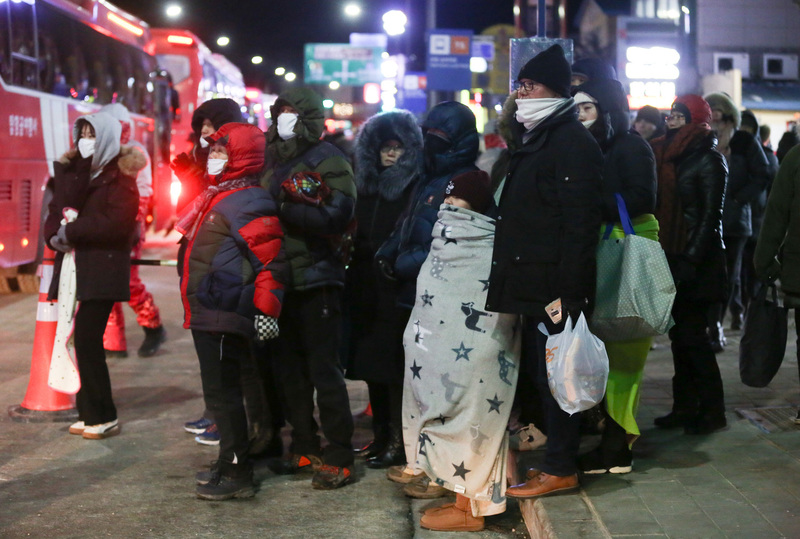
x=398 y=474
x=531 y=473
x=455 y=518
x=423 y=488
x=543 y=484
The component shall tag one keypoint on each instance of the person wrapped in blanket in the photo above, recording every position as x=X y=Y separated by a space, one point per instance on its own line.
x=232 y=287
x=461 y=364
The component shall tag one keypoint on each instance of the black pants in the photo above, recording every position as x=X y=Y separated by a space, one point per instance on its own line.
x=387 y=405
x=734 y=251
x=697 y=385
x=563 y=430
x=94 y=402
x=307 y=358
x=223 y=357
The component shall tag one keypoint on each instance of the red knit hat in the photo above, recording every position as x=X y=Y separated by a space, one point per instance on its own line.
x=694 y=107
x=474 y=186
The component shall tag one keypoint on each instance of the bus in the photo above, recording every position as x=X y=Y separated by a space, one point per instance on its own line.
x=197 y=76
x=60 y=59
x=258 y=107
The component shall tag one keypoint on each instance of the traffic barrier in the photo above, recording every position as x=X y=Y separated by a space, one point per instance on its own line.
x=41 y=403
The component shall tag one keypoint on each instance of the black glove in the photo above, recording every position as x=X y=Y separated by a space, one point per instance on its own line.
x=573 y=309
x=385 y=268
x=186 y=169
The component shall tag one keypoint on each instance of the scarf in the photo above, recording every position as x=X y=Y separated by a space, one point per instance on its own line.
x=669 y=150
x=531 y=112
x=190 y=218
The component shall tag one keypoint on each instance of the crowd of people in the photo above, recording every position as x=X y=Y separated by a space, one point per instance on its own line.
x=428 y=277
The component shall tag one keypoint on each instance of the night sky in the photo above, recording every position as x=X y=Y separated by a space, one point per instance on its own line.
x=277 y=29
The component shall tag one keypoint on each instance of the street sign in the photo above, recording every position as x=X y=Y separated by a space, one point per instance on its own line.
x=447 y=62
x=347 y=64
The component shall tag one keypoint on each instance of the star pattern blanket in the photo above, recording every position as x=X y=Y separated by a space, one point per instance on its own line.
x=461 y=365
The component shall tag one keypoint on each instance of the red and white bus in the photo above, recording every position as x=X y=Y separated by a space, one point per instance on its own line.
x=197 y=75
x=60 y=59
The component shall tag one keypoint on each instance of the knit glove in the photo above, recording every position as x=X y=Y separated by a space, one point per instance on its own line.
x=266 y=327
x=59 y=241
x=573 y=309
x=385 y=268
x=186 y=169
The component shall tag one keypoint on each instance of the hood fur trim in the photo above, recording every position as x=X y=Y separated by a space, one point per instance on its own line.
x=131 y=161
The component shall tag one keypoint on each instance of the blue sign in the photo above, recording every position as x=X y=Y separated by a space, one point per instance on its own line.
x=447 y=62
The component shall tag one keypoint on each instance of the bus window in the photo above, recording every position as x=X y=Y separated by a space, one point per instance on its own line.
x=178 y=66
x=24 y=49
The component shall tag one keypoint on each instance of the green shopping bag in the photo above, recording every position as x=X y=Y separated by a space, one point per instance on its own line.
x=635 y=290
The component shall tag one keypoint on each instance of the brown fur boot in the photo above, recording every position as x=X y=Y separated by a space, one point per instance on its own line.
x=455 y=518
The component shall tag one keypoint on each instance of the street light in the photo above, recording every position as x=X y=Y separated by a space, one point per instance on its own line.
x=280 y=71
x=352 y=10
x=290 y=76
x=256 y=60
x=394 y=22
x=223 y=41
x=333 y=85
x=173 y=11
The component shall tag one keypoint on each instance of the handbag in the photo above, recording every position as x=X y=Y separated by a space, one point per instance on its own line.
x=577 y=366
x=764 y=335
x=635 y=290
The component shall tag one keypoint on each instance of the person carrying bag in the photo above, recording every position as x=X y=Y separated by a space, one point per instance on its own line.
x=764 y=334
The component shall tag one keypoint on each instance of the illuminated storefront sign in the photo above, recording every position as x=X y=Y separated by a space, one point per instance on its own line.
x=651 y=73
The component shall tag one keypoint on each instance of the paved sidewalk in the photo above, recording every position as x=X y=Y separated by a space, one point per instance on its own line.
x=739 y=483
x=141 y=483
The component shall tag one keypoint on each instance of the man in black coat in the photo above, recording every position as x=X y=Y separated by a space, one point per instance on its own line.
x=546 y=241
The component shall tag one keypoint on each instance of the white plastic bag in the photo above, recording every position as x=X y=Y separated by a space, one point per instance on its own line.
x=577 y=366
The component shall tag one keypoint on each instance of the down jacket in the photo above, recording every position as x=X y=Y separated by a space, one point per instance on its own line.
x=546 y=236
x=408 y=246
x=747 y=179
x=311 y=231
x=234 y=266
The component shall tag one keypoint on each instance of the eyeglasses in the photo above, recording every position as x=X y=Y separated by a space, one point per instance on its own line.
x=528 y=86
x=677 y=116
x=396 y=149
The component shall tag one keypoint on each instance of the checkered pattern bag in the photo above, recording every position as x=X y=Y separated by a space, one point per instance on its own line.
x=266 y=327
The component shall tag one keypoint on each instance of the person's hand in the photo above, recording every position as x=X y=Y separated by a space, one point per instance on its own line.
x=386 y=268
x=573 y=309
x=68 y=156
x=266 y=327
x=59 y=241
x=185 y=167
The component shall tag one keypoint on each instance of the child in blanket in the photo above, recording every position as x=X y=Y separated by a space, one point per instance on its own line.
x=461 y=364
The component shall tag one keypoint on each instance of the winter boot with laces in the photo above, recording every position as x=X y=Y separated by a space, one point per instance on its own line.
x=227 y=480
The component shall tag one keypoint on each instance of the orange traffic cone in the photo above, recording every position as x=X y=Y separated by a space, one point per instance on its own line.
x=41 y=403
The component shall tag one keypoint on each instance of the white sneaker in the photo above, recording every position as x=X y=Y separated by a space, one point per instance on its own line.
x=527 y=438
x=101 y=431
x=77 y=428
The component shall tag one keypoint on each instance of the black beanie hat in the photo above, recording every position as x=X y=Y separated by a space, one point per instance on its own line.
x=474 y=186
x=650 y=114
x=549 y=67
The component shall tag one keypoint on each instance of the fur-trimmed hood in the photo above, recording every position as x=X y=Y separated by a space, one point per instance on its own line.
x=131 y=161
x=389 y=182
x=505 y=120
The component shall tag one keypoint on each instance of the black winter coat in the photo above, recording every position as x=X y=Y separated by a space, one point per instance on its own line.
x=375 y=351
x=549 y=217
x=748 y=178
x=103 y=232
x=701 y=176
x=629 y=169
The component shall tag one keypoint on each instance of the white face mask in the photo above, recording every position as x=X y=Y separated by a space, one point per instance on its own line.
x=203 y=142
x=86 y=147
x=286 y=123
x=531 y=112
x=588 y=123
x=215 y=166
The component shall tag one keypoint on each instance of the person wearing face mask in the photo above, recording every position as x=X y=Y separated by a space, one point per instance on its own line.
x=232 y=288
x=388 y=165
x=546 y=242
x=97 y=178
x=306 y=355
x=628 y=170
x=692 y=176
x=142 y=302
x=748 y=177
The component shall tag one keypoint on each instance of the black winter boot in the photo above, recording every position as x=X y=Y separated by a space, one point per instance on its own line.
x=226 y=481
x=394 y=454
x=378 y=443
x=153 y=337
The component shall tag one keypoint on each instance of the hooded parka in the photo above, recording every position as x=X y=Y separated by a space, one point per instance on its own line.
x=383 y=193
x=311 y=231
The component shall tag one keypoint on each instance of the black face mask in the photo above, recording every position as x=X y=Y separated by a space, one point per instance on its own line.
x=434 y=145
